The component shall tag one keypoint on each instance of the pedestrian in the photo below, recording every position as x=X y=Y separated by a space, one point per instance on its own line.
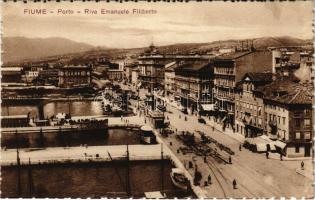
x=240 y=147
x=302 y=165
x=121 y=118
x=205 y=159
x=234 y=184
x=179 y=116
x=209 y=179
x=281 y=156
x=185 y=118
x=230 y=159
x=267 y=154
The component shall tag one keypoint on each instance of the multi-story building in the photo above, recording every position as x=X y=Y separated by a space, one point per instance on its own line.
x=194 y=83
x=49 y=76
x=115 y=74
x=228 y=70
x=11 y=74
x=288 y=115
x=169 y=82
x=152 y=66
x=249 y=105
x=288 y=60
x=134 y=76
x=128 y=71
x=74 y=75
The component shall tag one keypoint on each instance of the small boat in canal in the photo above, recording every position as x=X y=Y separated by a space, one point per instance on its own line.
x=147 y=135
x=179 y=179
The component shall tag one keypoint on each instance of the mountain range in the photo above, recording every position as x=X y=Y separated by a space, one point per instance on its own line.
x=17 y=49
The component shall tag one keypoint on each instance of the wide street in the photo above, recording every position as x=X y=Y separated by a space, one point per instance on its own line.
x=255 y=175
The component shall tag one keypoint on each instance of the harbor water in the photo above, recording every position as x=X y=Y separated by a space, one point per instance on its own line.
x=101 y=179
x=112 y=136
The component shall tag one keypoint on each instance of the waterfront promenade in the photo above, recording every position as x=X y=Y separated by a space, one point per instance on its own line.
x=83 y=154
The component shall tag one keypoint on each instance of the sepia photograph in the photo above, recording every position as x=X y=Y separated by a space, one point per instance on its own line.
x=157 y=100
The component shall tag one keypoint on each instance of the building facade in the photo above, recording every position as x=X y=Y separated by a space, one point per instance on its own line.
x=249 y=105
x=11 y=74
x=169 y=81
x=115 y=74
x=288 y=115
x=74 y=75
x=194 y=84
x=230 y=69
x=134 y=77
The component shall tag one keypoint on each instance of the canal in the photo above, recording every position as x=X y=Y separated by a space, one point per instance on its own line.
x=113 y=136
x=82 y=180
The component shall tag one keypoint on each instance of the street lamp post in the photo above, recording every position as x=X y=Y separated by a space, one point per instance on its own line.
x=154 y=98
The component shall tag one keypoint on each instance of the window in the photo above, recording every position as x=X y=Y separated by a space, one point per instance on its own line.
x=307 y=135
x=307 y=111
x=307 y=122
x=297 y=135
x=283 y=120
x=259 y=121
x=297 y=123
x=278 y=119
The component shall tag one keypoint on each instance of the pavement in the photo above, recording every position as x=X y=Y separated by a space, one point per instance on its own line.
x=84 y=153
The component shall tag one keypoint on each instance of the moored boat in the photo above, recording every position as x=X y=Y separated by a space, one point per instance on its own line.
x=179 y=179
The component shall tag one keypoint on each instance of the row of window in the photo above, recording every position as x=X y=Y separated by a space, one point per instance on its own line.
x=225 y=94
x=224 y=82
x=298 y=122
x=75 y=73
x=276 y=119
x=299 y=135
x=274 y=107
x=243 y=105
x=223 y=70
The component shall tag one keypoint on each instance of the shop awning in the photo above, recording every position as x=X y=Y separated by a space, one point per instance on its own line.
x=261 y=147
x=207 y=107
x=280 y=144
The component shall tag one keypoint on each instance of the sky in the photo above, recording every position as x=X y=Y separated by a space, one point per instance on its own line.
x=192 y=22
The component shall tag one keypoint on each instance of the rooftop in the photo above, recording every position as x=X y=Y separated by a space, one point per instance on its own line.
x=11 y=69
x=193 y=66
x=170 y=66
x=288 y=92
x=233 y=55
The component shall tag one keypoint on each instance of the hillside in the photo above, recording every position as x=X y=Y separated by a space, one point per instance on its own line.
x=20 y=48
x=17 y=49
